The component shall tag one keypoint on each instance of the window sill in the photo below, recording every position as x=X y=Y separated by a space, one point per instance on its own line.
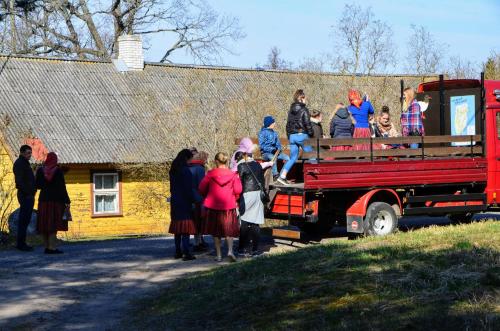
x=106 y=215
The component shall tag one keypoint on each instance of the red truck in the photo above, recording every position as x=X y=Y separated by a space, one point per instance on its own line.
x=455 y=172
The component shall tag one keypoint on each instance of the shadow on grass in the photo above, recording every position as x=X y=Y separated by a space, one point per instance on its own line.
x=341 y=286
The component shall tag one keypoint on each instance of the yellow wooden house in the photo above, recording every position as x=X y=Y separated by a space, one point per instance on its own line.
x=116 y=125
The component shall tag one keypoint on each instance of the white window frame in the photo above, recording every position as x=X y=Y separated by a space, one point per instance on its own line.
x=115 y=191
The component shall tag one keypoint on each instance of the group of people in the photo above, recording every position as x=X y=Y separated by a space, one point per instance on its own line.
x=53 y=200
x=229 y=200
x=226 y=202
x=357 y=120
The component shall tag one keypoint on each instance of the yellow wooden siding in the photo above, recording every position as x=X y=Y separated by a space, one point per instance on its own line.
x=141 y=214
x=8 y=200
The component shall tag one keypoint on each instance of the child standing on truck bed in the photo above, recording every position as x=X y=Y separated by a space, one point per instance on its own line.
x=361 y=111
x=341 y=126
x=270 y=144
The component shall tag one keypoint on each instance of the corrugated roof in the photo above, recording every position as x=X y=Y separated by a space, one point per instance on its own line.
x=88 y=112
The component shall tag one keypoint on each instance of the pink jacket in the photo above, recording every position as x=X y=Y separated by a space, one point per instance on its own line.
x=220 y=188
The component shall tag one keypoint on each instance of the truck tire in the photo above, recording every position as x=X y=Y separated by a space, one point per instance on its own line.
x=461 y=218
x=380 y=219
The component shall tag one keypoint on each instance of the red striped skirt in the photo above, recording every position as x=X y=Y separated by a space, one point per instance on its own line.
x=182 y=227
x=341 y=148
x=221 y=223
x=50 y=217
x=362 y=133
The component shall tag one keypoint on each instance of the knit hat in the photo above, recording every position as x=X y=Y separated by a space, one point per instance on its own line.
x=246 y=146
x=268 y=120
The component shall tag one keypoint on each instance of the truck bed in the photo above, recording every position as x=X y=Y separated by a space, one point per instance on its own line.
x=393 y=173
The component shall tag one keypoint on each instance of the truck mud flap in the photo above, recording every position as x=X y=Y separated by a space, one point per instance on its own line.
x=355 y=224
x=288 y=232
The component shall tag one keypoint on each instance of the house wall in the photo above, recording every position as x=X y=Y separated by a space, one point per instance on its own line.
x=144 y=207
x=8 y=201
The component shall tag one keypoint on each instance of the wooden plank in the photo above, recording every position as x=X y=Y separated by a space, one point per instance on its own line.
x=336 y=154
x=450 y=139
x=285 y=233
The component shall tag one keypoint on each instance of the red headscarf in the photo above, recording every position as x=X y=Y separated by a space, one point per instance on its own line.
x=50 y=166
x=355 y=98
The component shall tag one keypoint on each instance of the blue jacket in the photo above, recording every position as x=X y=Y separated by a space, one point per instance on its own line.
x=341 y=125
x=269 y=141
x=182 y=198
x=361 y=114
x=197 y=173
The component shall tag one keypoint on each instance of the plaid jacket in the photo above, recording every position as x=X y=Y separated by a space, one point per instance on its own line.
x=411 y=120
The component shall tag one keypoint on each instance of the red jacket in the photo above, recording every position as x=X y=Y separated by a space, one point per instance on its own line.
x=221 y=188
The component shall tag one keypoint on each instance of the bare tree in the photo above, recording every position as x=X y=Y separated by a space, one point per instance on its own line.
x=316 y=63
x=424 y=54
x=459 y=68
x=275 y=61
x=364 y=44
x=90 y=29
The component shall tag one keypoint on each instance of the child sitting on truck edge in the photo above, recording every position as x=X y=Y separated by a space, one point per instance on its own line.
x=270 y=144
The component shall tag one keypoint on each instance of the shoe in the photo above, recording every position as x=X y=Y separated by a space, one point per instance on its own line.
x=52 y=251
x=275 y=178
x=255 y=253
x=203 y=245
x=218 y=259
x=25 y=248
x=231 y=258
x=188 y=257
x=282 y=181
x=177 y=255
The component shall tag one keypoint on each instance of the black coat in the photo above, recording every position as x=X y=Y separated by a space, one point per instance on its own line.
x=299 y=120
x=248 y=181
x=25 y=180
x=55 y=190
x=341 y=125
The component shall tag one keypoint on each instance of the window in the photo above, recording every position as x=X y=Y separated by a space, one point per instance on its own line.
x=106 y=194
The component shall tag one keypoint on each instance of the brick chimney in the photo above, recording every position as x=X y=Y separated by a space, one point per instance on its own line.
x=130 y=51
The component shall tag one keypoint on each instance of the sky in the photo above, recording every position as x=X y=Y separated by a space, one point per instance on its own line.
x=302 y=29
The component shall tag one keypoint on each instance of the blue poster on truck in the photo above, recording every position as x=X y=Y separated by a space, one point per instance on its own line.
x=463 y=117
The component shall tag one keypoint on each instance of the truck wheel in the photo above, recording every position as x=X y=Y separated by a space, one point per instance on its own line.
x=380 y=219
x=461 y=218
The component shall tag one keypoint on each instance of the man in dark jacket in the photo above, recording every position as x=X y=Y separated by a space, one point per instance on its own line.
x=316 y=118
x=298 y=129
x=26 y=190
x=342 y=124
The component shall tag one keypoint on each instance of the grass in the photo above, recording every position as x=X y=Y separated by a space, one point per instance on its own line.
x=439 y=278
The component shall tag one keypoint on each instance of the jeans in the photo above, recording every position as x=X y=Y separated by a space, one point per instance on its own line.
x=249 y=231
x=26 y=204
x=269 y=157
x=414 y=145
x=185 y=243
x=296 y=140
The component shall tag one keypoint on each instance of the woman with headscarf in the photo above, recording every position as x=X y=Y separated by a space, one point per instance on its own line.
x=361 y=111
x=53 y=203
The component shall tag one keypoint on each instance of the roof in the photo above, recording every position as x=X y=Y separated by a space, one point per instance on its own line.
x=89 y=112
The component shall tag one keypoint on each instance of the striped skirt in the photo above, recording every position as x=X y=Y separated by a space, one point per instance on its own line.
x=361 y=133
x=50 y=217
x=187 y=226
x=221 y=223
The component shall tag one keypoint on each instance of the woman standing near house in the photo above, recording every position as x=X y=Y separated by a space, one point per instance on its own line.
x=221 y=189
x=53 y=203
x=361 y=111
x=251 y=206
x=181 y=200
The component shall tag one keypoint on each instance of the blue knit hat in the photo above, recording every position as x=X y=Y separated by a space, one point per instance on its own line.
x=268 y=120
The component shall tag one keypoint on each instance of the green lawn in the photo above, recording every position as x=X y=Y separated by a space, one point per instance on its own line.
x=439 y=278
